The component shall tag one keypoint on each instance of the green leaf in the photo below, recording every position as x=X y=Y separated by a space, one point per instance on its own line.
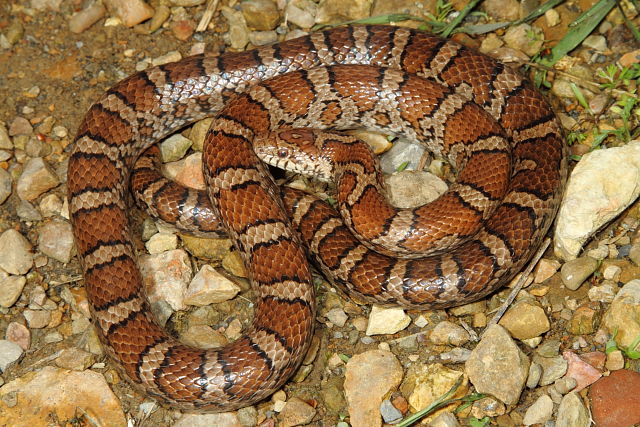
x=631 y=351
x=474 y=422
x=580 y=97
x=611 y=345
x=402 y=166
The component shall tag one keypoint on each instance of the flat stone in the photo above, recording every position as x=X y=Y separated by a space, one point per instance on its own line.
x=60 y=393
x=615 y=400
x=387 y=320
x=572 y=412
x=5 y=185
x=10 y=289
x=187 y=171
x=408 y=189
x=429 y=382
x=552 y=368
x=539 y=412
x=15 y=252
x=525 y=320
x=337 y=316
x=130 y=12
x=203 y=336
x=576 y=271
x=583 y=321
x=260 y=15
x=209 y=286
x=369 y=377
x=55 y=239
x=19 y=334
x=445 y=419
x=161 y=242
x=166 y=276
x=497 y=366
x=37 y=177
x=302 y=13
x=37 y=319
x=581 y=371
x=296 y=412
x=449 y=333
x=601 y=186
x=174 y=148
x=9 y=353
x=74 y=359
x=615 y=360
x=603 y=293
x=623 y=315
x=225 y=419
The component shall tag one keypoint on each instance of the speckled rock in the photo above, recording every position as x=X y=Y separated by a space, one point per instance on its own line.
x=9 y=353
x=497 y=366
x=428 y=382
x=5 y=185
x=208 y=286
x=60 y=393
x=576 y=271
x=601 y=186
x=36 y=178
x=166 y=276
x=387 y=320
x=19 y=334
x=449 y=333
x=260 y=15
x=10 y=288
x=55 y=240
x=130 y=12
x=525 y=319
x=623 y=315
x=615 y=400
x=539 y=412
x=15 y=252
x=572 y=412
x=369 y=376
x=296 y=413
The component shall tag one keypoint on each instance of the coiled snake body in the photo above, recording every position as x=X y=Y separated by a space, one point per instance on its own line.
x=353 y=76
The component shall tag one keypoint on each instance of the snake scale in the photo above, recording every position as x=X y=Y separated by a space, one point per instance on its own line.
x=371 y=76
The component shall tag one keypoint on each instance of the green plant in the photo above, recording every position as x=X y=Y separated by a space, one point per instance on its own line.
x=443 y=400
x=631 y=352
x=474 y=422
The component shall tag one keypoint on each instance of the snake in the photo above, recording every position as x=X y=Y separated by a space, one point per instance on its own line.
x=354 y=76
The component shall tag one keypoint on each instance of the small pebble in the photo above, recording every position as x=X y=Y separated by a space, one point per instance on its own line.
x=9 y=353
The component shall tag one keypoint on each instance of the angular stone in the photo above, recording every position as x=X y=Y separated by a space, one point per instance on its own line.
x=497 y=366
x=36 y=178
x=62 y=394
x=15 y=252
x=525 y=319
x=387 y=320
x=369 y=377
x=615 y=400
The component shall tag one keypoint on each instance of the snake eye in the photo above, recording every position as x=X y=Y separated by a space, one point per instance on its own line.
x=283 y=152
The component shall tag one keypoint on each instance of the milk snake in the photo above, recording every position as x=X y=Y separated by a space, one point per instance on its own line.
x=384 y=61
